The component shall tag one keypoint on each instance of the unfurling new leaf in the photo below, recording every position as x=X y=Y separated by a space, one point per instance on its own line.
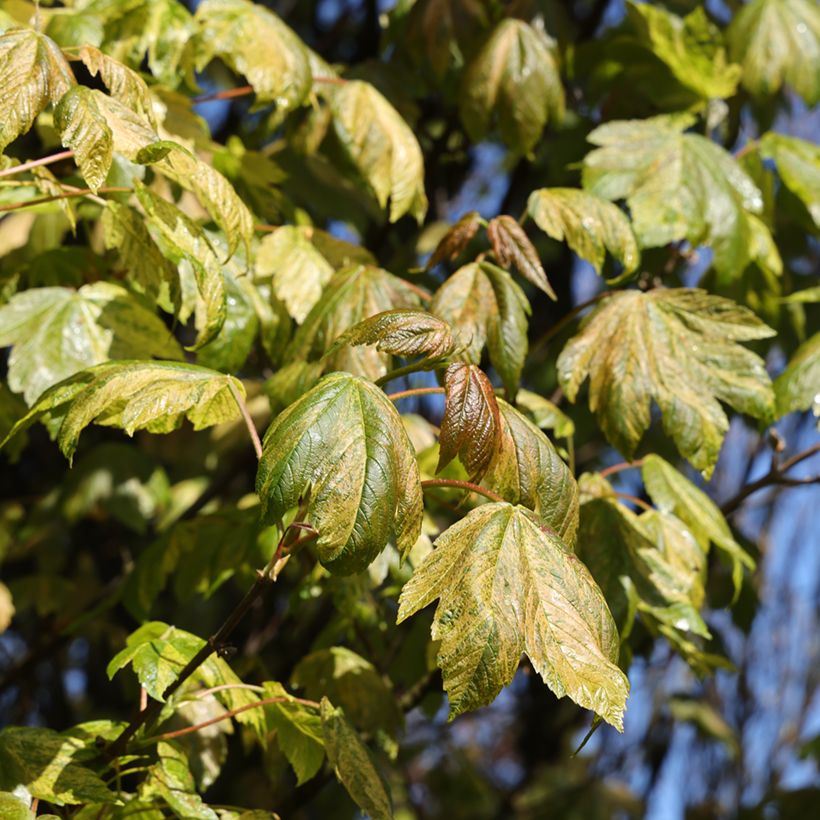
x=512 y=246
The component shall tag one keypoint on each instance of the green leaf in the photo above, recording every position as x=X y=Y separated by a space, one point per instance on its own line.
x=513 y=82
x=380 y=145
x=527 y=470
x=677 y=186
x=471 y=427
x=512 y=246
x=798 y=386
x=353 y=683
x=401 y=332
x=13 y=808
x=677 y=347
x=34 y=73
x=798 y=163
x=456 y=239
x=486 y=307
x=589 y=225
x=507 y=585
x=41 y=761
x=354 y=765
x=777 y=42
x=254 y=42
x=180 y=238
x=691 y=47
x=56 y=332
x=298 y=731
x=134 y=395
x=299 y=270
x=343 y=445
x=544 y=414
x=674 y=493
x=352 y=294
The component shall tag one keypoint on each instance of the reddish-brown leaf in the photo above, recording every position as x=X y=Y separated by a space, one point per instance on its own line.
x=512 y=246
x=456 y=239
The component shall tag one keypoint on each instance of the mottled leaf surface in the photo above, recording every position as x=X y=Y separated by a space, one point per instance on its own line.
x=590 y=225
x=343 y=443
x=507 y=585
x=514 y=84
x=676 y=347
x=55 y=332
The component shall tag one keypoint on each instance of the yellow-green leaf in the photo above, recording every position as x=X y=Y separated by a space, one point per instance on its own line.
x=506 y=585
x=588 y=224
x=679 y=348
x=342 y=446
x=798 y=386
x=544 y=414
x=512 y=83
x=798 y=163
x=34 y=73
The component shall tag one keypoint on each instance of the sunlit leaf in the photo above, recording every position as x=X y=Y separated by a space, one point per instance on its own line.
x=507 y=585
x=471 y=427
x=34 y=73
x=342 y=445
x=512 y=246
x=798 y=386
x=798 y=163
x=512 y=83
x=591 y=226
x=679 y=348
x=677 y=186
x=777 y=42
x=544 y=414
x=56 y=332
x=171 y=779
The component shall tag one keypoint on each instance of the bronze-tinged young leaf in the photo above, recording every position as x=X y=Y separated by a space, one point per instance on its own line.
x=798 y=163
x=354 y=765
x=512 y=246
x=298 y=270
x=483 y=304
x=677 y=186
x=56 y=332
x=674 y=493
x=513 y=82
x=380 y=145
x=133 y=395
x=353 y=294
x=471 y=427
x=591 y=226
x=798 y=386
x=527 y=470
x=343 y=446
x=508 y=585
x=676 y=347
x=456 y=239
x=777 y=42
x=405 y=333
x=34 y=73
x=257 y=44
x=42 y=761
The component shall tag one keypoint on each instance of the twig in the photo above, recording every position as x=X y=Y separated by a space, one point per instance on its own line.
x=225 y=94
x=775 y=476
x=70 y=192
x=562 y=323
x=617 y=468
x=414 y=391
x=229 y=714
x=413 y=367
x=635 y=500
x=243 y=409
x=36 y=163
x=461 y=485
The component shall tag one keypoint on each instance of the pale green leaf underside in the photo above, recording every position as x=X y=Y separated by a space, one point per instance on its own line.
x=798 y=163
x=34 y=73
x=676 y=347
x=56 y=332
x=677 y=186
x=135 y=395
x=343 y=442
x=777 y=42
x=798 y=386
x=508 y=586
x=591 y=226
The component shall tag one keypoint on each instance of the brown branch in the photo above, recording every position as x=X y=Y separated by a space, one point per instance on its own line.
x=226 y=94
x=243 y=409
x=229 y=714
x=635 y=500
x=414 y=391
x=617 y=468
x=776 y=476
x=461 y=485
x=71 y=192
x=36 y=163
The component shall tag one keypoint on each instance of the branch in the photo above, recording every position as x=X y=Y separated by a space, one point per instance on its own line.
x=461 y=485
x=775 y=476
x=70 y=192
x=617 y=468
x=36 y=163
x=413 y=367
x=243 y=409
x=414 y=391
